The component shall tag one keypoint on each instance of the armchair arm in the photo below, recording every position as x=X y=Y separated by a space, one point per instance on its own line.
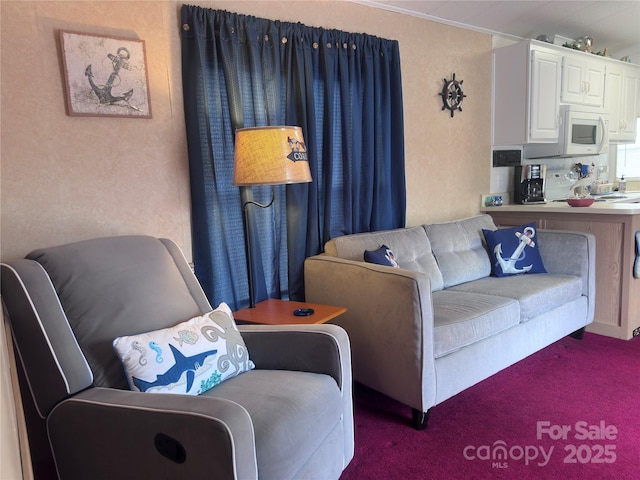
x=389 y=320
x=109 y=433
x=309 y=348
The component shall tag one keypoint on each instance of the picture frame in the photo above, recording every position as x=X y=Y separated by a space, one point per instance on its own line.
x=105 y=76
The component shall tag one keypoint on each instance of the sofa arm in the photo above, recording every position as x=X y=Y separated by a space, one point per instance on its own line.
x=389 y=320
x=570 y=253
x=110 y=433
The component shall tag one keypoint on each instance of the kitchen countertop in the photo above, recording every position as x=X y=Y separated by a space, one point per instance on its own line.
x=610 y=207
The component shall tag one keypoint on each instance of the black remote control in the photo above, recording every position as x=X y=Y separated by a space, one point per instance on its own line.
x=303 y=312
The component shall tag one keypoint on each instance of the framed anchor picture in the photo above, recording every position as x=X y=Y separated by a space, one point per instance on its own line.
x=105 y=76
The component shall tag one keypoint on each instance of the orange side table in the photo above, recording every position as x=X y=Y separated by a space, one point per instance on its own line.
x=280 y=312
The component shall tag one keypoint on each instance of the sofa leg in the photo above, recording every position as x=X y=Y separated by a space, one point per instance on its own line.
x=420 y=419
x=578 y=334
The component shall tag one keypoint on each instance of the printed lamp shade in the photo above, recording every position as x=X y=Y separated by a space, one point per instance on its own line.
x=270 y=156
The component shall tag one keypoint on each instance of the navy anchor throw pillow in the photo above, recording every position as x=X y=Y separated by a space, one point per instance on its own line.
x=514 y=250
x=382 y=256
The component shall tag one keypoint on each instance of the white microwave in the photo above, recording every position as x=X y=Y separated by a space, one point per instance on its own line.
x=582 y=132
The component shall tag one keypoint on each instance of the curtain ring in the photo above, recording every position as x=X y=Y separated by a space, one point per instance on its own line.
x=284 y=40
x=344 y=45
x=186 y=27
x=315 y=45
x=353 y=46
x=328 y=45
x=266 y=38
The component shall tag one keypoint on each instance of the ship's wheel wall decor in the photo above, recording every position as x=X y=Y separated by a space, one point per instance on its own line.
x=452 y=95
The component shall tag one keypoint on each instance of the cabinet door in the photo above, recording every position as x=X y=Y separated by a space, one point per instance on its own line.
x=582 y=81
x=573 y=86
x=594 y=79
x=630 y=85
x=613 y=100
x=544 y=105
x=623 y=84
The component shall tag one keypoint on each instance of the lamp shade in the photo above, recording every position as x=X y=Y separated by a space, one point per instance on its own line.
x=270 y=156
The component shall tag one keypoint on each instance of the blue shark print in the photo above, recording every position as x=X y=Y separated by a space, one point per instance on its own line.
x=183 y=364
x=156 y=348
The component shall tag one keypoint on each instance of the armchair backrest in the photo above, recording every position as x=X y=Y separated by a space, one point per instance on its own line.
x=67 y=304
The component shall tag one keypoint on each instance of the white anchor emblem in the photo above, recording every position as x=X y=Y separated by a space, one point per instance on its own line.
x=526 y=240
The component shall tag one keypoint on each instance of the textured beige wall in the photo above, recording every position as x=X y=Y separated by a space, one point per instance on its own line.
x=69 y=178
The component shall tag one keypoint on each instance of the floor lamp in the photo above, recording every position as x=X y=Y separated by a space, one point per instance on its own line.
x=267 y=156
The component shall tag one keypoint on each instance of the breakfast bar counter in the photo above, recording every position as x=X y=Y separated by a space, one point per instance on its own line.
x=597 y=208
x=614 y=224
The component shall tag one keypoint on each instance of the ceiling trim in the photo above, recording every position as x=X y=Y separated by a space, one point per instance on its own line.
x=426 y=16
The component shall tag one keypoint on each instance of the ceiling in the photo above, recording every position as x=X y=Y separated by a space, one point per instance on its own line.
x=612 y=24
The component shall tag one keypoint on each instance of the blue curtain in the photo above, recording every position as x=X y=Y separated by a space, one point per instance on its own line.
x=343 y=89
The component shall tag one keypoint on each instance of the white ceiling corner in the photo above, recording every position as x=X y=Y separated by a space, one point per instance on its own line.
x=613 y=24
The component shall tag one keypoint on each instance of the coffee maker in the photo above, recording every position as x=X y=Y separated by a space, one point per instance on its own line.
x=528 y=184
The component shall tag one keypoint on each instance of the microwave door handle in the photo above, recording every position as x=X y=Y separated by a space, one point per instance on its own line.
x=603 y=136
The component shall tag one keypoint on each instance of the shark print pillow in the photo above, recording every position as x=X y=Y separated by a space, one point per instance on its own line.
x=189 y=358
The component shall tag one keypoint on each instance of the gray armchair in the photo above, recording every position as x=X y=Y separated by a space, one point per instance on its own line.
x=290 y=417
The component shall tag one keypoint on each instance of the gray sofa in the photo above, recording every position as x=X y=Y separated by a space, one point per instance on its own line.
x=289 y=417
x=440 y=323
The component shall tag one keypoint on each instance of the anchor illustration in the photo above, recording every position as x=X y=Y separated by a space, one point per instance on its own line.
x=119 y=61
x=526 y=240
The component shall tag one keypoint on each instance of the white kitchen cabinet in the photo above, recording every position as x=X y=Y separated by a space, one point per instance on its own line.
x=583 y=80
x=544 y=109
x=623 y=95
x=526 y=94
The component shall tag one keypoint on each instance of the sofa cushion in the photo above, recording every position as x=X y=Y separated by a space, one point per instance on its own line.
x=411 y=247
x=535 y=293
x=189 y=358
x=462 y=318
x=514 y=250
x=382 y=256
x=290 y=411
x=459 y=249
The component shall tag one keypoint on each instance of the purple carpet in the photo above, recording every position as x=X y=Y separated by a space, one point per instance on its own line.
x=570 y=411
